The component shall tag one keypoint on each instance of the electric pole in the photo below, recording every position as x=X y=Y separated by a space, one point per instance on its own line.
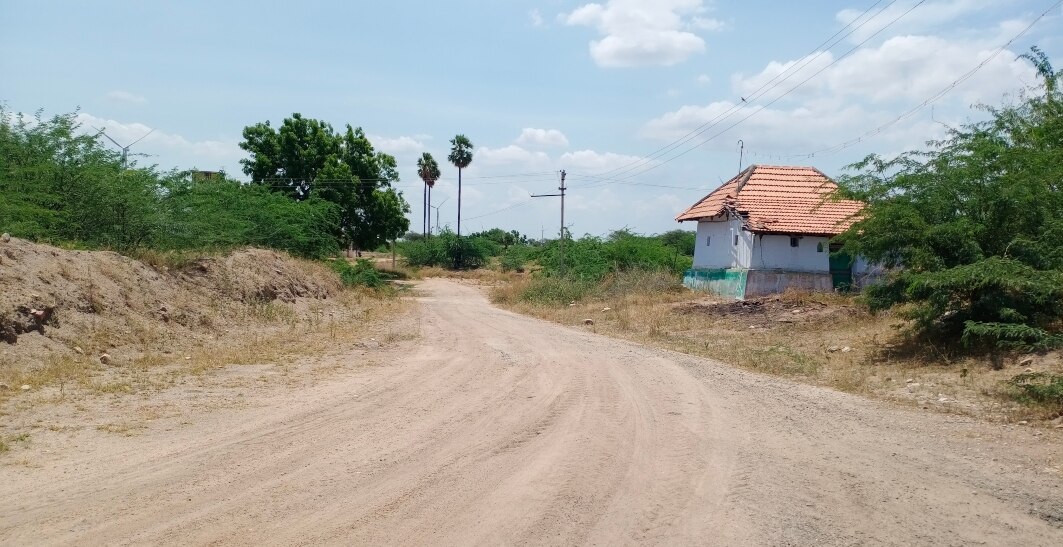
x=561 y=243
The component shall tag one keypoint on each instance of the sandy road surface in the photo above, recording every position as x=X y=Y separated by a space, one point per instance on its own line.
x=494 y=428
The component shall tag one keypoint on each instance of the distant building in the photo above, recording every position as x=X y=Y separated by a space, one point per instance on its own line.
x=769 y=229
x=199 y=176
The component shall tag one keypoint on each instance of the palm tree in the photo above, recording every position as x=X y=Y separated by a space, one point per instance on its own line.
x=461 y=157
x=428 y=170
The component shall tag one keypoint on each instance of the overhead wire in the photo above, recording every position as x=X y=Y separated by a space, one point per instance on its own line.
x=812 y=55
x=929 y=100
x=773 y=101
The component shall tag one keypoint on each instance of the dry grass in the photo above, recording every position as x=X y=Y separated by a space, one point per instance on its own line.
x=153 y=358
x=819 y=338
x=483 y=275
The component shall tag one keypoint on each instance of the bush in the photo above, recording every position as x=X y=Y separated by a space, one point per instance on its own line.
x=224 y=214
x=592 y=258
x=1039 y=387
x=361 y=273
x=972 y=227
x=515 y=258
x=447 y=250
x=61 y=186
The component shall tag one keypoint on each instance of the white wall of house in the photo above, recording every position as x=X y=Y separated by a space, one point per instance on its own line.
x=775 y=252
x=866 y=273
x=862 y=267
x=715 y=247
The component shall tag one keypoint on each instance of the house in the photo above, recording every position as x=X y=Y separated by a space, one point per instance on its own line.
x=769 y=229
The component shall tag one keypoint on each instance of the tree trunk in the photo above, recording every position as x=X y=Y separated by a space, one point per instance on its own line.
x=459 y=202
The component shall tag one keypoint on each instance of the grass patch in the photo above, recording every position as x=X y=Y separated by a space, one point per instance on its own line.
x=1039 y=388
x=7 y=443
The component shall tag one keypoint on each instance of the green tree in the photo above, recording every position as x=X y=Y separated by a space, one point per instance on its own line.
x=60 y=184
x=307 y=157
x=223 y=213
x=461 y=157
x=680 y=240
x=971 y=228
x=428 y=170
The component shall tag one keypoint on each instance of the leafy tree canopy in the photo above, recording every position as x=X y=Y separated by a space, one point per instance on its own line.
x=460 y=151
x=973 y=226
x=307 y=157
x=428 y=169
x=62 y=185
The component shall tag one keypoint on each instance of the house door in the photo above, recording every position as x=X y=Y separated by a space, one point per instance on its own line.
x=841 y=268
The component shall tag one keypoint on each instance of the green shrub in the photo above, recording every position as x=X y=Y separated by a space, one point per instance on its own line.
x=971 y=228
x=1039 y=387
x=361 y=273
x=447 y=250
x=515 y=258
x=220 y=214
x=592 y=258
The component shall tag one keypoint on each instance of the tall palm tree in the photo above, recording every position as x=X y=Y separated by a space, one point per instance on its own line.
x=461 y=157
x=428 y=170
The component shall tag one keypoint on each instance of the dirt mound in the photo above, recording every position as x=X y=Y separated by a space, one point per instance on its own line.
x=770 y=310
x=55 y=301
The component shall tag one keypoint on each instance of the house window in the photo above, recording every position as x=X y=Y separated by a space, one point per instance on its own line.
x=794 y=242
x=736 y=240
x=708 y=240
x=819 y=247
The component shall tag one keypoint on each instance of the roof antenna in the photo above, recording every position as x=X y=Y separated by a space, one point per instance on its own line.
x=125 y=149
x=741 y=150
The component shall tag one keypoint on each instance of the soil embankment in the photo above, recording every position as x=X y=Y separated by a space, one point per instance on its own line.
x=101 y=322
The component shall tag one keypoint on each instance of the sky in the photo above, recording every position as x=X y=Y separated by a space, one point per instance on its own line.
x=642 y=102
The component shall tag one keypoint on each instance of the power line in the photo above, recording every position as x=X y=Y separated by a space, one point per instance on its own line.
x=930 y=100
x=775 y=100
x=793 y=69
x=513 y=206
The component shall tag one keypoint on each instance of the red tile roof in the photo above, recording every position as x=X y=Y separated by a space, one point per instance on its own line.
x=783 y=200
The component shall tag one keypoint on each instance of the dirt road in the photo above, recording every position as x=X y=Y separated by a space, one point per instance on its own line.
x=494 y=428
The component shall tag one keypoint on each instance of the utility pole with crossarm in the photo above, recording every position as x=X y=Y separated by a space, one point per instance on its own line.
x=561 y=244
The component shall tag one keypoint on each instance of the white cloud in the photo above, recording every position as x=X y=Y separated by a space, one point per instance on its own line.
x=397 y=146
x=707 y=23
x=803 y=127
x=591 y=162
x=929 y=15
x=704 y=79
x=168 y=149
x=851 y=97
x=126 y=97
x=511 y=156
x=643 y=32
x=530 y=136
x=901 y=68
x=536 y=18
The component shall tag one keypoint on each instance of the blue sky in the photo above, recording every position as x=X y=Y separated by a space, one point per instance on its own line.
x=538 y=86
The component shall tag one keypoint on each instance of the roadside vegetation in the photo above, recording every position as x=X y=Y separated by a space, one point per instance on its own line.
x=314 y=192
x=972 y=227
x=206 y=272
x=969 y=318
